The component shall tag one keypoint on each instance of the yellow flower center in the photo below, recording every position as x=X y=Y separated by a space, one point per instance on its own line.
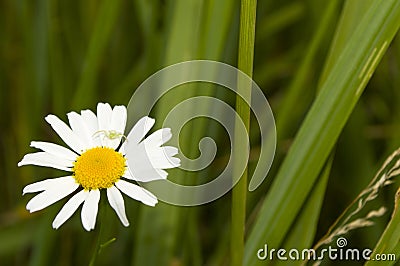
x=99 y=167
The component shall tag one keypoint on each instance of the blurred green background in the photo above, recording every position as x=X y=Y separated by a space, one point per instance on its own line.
x=58 y=56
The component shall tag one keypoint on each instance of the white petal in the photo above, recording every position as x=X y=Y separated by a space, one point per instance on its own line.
x=165 y=163
x=118 y=118
x=128 y=174
x=92 y=124
x=160 y=157
x=170 y=151
x=118 y=122
x=80 y=129
x=104 y=114
x=147 y=175
x=65 y=133
x=46 y=159
x=47 y=184
x=145 y=164
x=117 y=203
x=69 y=208
x=139 y=130
x=89 y=209
x=157 y=156
x=136 y=192
x=140 y=164
x=145 y=160
x=55 y=149
x=90 y=120
x=48 y=197
x=158 y=138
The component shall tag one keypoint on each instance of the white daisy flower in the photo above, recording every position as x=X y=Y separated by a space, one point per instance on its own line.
x=98 y=161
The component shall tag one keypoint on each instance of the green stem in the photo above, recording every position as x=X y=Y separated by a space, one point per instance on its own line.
x=102 y=210
x=245 y=64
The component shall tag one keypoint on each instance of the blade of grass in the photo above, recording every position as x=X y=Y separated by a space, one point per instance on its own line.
x=351 y=15
x=279 y=20
x=57 y=62
x=361 y=148
x=290 y=108
x=323 y=124
x=211 y=46
x=214 y=38
x=245 y=64
x=44 y=241
x=304 y=228
x=389 y=243
x=16 y=237
x=301 y=234
x=105 y=22
x=167 y=220
x=349 y=20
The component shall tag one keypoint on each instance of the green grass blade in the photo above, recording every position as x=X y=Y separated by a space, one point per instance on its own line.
x=214 y=38
x=56 y=61
x=245 y=64
x=323 y=124
x=351 y=15
x=15 y=237
x=44 y=242
x=302 y=233
x=279 y=20
x=389 y=243
x=167 y=220
x=105 y=22
x=303 y=230
x=290 y=107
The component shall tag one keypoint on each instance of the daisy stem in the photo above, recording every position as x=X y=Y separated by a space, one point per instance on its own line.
x=102 y=210
x=245 y=64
